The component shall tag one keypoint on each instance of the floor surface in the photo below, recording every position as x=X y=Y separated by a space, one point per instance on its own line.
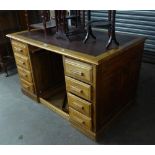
x=23 y=121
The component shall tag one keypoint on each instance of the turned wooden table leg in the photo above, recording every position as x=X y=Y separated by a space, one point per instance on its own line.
x=89 y=28
x=109 y=21
x=44 y=19
x=111 y=31
x=27 y=20
x=83 y=16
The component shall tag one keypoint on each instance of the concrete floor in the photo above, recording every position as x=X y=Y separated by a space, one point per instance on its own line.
x=22 y=121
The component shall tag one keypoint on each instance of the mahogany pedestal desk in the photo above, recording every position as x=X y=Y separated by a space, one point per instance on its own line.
x=98 y=82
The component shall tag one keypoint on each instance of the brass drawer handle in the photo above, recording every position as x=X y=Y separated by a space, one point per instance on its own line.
x=76 y=89
x=77 y=72
x=80 y=121
x=18 y=49
x=23 y=63
x=78 y=106
x=25 y=86
x=24 y=75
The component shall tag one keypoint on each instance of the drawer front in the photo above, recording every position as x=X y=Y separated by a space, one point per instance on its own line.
x=24 y=74
x=28 y=86
x=22 y=61
x=79 y=70
x=78 y=88
x=80 y=119
x=19 y=47
x=79 y=104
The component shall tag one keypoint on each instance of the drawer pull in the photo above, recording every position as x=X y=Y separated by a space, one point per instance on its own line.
x=18 y=49
x=77 y=72
x=80 y=121
x=78 y=106
x=77 y=89
x=25 y=86
x=24 y=75
x=21 y=62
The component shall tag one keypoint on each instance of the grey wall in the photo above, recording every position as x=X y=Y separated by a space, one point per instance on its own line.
x=140 y=22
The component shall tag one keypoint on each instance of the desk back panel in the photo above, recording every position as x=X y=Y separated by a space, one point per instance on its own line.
x=48 y=70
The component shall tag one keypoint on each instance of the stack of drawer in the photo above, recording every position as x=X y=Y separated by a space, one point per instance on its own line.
x=21 y=54
x=78 y=76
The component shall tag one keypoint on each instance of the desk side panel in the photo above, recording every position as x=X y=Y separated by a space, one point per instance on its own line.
x=116 y=83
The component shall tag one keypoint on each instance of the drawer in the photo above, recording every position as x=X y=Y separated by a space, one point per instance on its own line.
x=80 y=119
x=79 y=70
x=22 y=61
x=28 y=86
x=79 y=104
x=19 y=47
x=24 y=74
x=78 y=88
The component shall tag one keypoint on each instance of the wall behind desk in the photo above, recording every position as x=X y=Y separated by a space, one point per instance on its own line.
x=140 y=22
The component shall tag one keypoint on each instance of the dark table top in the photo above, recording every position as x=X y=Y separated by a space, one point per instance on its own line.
x=92 y=47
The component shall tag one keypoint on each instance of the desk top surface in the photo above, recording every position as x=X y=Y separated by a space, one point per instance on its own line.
x=93 y=49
